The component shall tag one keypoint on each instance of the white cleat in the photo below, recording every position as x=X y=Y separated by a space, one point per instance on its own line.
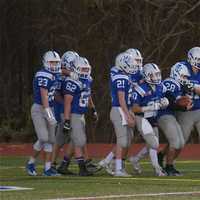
x=121 y=173
x=136 y=165
x=107 y=167
x=159 y=171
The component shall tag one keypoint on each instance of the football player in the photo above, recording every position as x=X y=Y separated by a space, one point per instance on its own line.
x=135 y=77
x=191 y=118
x=146 y=103
x=167 y=121
x=67 y=66
x=77 y=100
x=120 y=116
x=44 y=86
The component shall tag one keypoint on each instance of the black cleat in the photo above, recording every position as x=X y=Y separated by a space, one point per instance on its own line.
x=171 y=171
x=63 y=169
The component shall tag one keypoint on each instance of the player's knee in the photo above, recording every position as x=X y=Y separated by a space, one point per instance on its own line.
x=152 y=141
x=48 y=147
x=123 y=142
x=80 y=142
x=38 y=146
x=44 y=139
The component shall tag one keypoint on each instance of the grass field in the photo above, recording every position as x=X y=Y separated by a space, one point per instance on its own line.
x=101 y=185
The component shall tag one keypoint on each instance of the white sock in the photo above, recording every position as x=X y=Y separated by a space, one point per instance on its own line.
x=142 y=153
x=153 y=157
x=47 y=165
x=31 y=160
x=118 y=164
x=109 y=157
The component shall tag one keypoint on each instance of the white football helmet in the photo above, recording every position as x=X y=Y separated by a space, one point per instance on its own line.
x=125 y=62
x=82 y=67
x=194 y=57
x=68 y=58
x=179 y=72
x=51 y=61
x=137 y=56
x=152 y=73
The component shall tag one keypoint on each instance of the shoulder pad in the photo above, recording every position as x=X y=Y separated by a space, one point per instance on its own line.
x=44 y=74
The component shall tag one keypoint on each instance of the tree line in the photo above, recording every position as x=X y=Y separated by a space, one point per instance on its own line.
x=98 y=30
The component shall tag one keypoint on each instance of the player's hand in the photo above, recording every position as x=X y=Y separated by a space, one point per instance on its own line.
x=94 y=115
x=164 y=102
x=49 y=116
x=67 y=127
x=130 y=120
x=154 y=106
x=73 y=75
x=188 y=86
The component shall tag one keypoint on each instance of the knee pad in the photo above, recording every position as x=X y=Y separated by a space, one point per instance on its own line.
x=151 y=141
x=48 y=147
x=38 y=146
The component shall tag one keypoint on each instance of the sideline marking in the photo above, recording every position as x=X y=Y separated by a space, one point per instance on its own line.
x=12 y=188
x=129 y=195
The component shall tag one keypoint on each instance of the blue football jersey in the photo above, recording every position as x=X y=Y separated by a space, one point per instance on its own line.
x=137 y=77
x=119 y=81
x=47 y=80
x=147 y=98
x=174 y=90
x=81 y=91
x=194 y=78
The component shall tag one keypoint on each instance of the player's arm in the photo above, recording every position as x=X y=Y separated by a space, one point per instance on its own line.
x=44 y=97
x=67 y=112
x=197 y=89
x=67 y=106
x=93 y=109
x=45 y=103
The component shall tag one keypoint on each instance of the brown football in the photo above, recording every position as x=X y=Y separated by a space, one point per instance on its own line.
x=184 y=101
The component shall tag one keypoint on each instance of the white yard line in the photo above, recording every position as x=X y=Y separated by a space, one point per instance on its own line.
x=12 y=188
x=129 y=195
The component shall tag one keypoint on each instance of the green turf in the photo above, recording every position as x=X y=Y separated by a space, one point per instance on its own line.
x=12 y=173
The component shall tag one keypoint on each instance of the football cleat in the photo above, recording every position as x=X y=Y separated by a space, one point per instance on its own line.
x=63 y=169
x=121 y=173
x=107 y=166
x=159 y=171
x=171 y=171
x=50 y=172
x=136 y=165
x=30 y=168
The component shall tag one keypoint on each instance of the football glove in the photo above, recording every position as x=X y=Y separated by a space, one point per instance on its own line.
x=164 y=102
x=49 y=116
x=66 y=127
x=188 y=86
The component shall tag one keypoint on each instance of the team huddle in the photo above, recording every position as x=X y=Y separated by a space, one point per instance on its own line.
x=140 y=101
